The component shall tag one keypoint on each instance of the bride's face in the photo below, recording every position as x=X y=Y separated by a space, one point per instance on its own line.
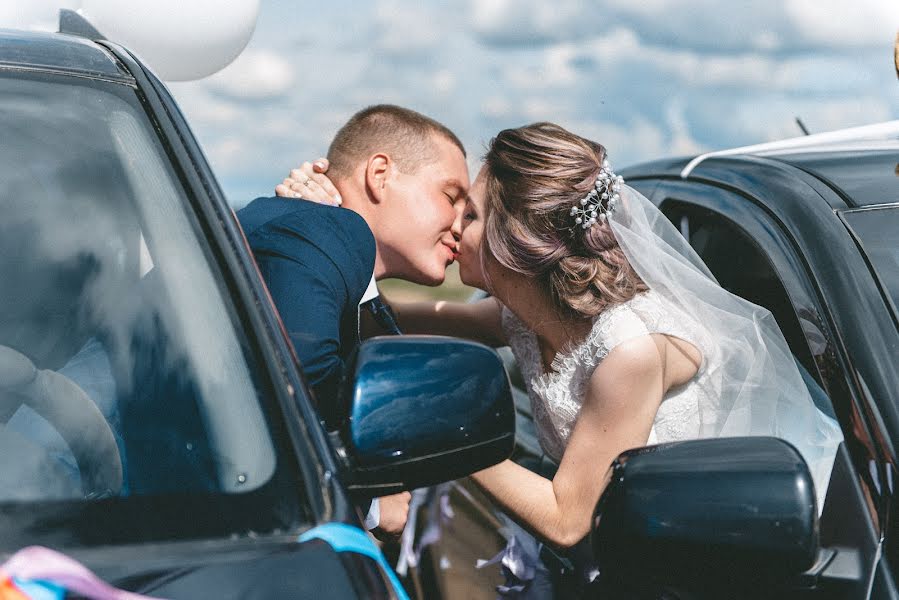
x=470 y=269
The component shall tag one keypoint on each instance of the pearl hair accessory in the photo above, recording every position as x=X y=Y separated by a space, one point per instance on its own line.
x=601 y=200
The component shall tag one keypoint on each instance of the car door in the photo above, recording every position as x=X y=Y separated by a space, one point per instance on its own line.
x=457 y=524
x=758 y=257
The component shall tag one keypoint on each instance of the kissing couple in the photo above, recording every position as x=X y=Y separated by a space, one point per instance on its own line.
x=622 y=334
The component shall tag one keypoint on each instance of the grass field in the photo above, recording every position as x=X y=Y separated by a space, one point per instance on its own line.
x=452 y=289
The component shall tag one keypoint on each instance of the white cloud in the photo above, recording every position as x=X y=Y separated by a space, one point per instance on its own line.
x=36 y=15
x=496 y=107
x=204 y=108
x=406 y=27
x=536 y=108
x=226 y=153
x=626 y=143
x=648 y=79
x=771 y=118
x=256 y=74
x=759 y=25
x=705 y=25
x=444 y=81
x=829 y=23
x=553 y=68
x=681 y=141
x=621 y=50
x=528 y=22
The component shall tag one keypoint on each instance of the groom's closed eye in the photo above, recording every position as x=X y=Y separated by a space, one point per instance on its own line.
x=454 y=189
x=458 y=199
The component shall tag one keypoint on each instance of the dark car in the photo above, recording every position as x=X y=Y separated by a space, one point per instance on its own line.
x=808 y=228
x=154 y=422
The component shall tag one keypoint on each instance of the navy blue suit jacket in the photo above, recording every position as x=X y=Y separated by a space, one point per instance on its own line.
x=317 y=261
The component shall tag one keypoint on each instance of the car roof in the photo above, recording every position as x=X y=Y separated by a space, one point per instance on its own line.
x=861 y=163
x=865 y=177
x=57 y=52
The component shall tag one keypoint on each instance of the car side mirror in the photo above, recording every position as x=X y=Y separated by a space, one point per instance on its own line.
x=716 y=507
x=423 y=410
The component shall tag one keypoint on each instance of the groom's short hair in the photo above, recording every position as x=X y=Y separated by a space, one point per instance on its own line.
x=403 y=134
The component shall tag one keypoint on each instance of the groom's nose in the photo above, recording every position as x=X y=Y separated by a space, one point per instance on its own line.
x=456 y=227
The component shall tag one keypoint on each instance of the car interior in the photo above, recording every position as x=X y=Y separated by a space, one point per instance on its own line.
x=102 y=391
x=743 y=269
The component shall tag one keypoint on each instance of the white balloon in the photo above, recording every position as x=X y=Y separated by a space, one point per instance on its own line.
x=179 y=39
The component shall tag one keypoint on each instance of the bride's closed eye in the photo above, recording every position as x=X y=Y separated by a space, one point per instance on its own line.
x=469 y=214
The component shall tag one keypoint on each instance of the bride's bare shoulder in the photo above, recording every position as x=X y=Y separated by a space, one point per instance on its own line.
x=627 y=384
x=637 y=359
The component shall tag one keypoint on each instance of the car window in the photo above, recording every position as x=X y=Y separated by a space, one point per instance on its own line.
x=877 y=230
x=121 y=371
x=742 y=267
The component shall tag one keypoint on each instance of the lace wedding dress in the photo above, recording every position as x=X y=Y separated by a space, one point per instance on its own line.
x=556 y=396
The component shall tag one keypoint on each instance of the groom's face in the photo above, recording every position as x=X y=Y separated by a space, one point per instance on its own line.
x=421 y=230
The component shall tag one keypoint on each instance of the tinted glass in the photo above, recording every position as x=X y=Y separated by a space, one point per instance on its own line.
x=741 y=267
x=121 y=369
x=878 y=232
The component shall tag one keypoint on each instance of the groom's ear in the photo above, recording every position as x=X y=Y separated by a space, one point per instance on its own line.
x=378 y=170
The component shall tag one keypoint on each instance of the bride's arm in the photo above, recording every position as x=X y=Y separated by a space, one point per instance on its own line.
x=621 y=402
x=480 y=321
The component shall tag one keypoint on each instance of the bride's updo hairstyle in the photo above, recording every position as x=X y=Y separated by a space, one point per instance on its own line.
x=534 y=176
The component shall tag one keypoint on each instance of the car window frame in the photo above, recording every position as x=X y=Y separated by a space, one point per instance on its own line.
x=847 y=217
x=316 y=458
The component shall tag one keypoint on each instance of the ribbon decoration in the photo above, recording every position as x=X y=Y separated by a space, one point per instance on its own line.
x=38 y=573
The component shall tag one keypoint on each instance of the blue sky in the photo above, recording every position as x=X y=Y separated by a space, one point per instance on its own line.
x=647 y=79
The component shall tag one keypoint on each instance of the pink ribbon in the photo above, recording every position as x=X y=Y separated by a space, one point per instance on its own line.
x=36 y=563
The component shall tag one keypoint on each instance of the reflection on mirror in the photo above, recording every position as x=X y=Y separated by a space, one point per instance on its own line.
x=425 y=409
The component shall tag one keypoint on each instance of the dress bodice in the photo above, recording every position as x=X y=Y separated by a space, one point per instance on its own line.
x=557 y=395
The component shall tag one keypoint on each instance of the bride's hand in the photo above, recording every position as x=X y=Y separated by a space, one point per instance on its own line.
x=310 y=183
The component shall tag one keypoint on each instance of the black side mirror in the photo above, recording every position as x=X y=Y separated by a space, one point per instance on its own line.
x=423 y=410
x=707 y=509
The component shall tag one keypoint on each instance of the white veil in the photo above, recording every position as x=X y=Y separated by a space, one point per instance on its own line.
x=761 y=390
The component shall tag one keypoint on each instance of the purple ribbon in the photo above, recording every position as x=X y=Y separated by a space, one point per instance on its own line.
x=526 y=578
x=36 y=563
x=440 y=516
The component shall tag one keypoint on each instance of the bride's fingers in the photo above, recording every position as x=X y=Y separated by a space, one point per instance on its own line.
x=316 y=174
x=283 y=190
x=299 y=174
x=327 y=186
x=311 y=190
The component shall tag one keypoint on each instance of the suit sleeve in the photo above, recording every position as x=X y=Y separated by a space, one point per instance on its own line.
x=311 y=301
x=316 y=261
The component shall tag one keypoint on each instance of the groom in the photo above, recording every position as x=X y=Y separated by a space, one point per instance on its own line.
x=404 y=179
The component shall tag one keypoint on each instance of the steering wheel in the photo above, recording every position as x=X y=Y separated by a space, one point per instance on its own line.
x=70 y=411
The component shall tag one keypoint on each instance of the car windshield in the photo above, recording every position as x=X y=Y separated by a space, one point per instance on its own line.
x=878 y=232
x=122 y=370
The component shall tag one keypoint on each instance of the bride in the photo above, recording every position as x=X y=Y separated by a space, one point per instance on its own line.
x=623 y=336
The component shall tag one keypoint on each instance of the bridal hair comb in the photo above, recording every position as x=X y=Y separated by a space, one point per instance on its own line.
x=602 y=199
